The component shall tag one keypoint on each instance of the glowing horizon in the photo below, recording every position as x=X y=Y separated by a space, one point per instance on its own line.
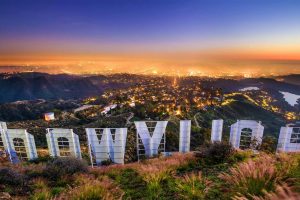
x=200 y=37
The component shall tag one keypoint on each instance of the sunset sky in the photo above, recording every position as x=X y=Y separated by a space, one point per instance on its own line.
x=151 y=36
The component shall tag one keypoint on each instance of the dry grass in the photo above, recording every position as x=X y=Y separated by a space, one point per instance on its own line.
x=41 y=189
x=193 y=186
x=256 y=177
x=283 y=192
x=91 y=188
x=151 y=165
x=158 y=169
x=263 y=177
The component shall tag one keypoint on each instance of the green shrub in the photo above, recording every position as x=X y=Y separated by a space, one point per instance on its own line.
x=131 y=182
x=42 y=159
x=41 y=195
x=64 y=166
x=56 y=190
x=90 y=192
x=106 y=162
x=240 y=156
x=10 y=177
x=215 y=153
x=269 y=144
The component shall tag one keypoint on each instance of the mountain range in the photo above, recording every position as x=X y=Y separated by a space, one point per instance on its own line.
x=33 y=86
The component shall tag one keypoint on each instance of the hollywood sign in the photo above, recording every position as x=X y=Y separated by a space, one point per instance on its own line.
x=110 y=143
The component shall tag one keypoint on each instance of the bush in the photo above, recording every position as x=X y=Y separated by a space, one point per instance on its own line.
x=256 y=177
x=216 y=153
x=240 y=156
x=106 y=162
x=268 y=145
x=11 y=177
x=41 y=195
x=64 y=166
x=42 y=159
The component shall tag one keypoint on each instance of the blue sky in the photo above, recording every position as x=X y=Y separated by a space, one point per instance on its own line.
x=143 y=26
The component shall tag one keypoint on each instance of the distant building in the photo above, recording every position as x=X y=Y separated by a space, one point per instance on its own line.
x=49 y=116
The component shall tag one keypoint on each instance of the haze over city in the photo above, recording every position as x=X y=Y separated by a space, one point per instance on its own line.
x=250 y=38
x=150 y=99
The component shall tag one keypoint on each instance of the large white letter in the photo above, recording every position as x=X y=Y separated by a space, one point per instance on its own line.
x=18 y=143
x=216 y=130
x=63 y=143
x=289 y=139
x=243 y=132
x=107 y=143
x=150 y=137
x=185 y=136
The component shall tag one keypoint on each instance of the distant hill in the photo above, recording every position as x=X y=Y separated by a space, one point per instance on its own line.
x=33 y=110
x=242 y=109
x=269 y=84
x=32 y=86
x=292 y=79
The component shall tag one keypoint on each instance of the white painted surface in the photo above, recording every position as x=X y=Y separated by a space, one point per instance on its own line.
x=52 y=139
x=216 y=130
x=8 y=137
x=106 y=146
x=236 y=130
x=84 y=107
x=151 y=140
x=290 y=98
x=249 y=89
x=185 y=136
x=108 y=108
x=285 y=141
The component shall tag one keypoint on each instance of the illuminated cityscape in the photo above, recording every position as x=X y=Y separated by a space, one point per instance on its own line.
x=150 y=100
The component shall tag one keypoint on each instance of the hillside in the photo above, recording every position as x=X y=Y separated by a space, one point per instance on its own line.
x=155 y=99
x=214 y=172
x=292 y=79
x=43 y=86
x=239 y=107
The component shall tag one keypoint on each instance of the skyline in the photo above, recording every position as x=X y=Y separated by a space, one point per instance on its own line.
x=186 y=37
